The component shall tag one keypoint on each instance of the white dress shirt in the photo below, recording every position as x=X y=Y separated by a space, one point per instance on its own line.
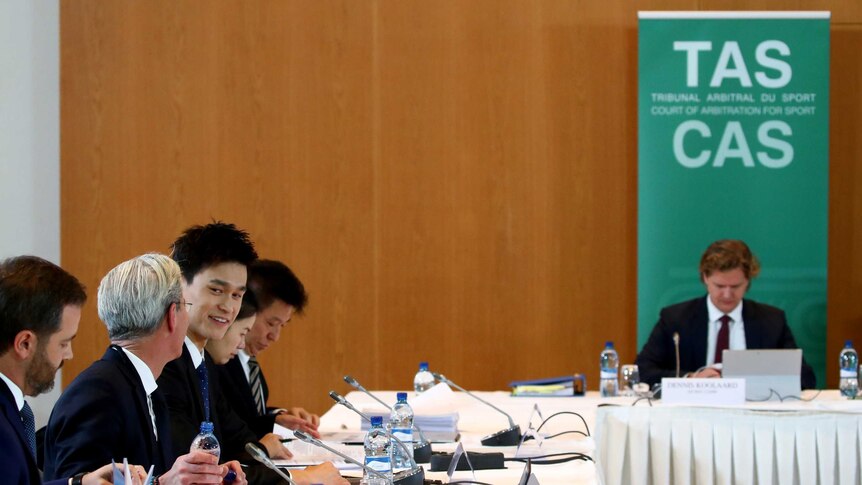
x=149 y=382
x=737 y=330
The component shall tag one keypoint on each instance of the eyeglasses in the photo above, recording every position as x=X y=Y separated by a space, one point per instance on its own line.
x=187 y=305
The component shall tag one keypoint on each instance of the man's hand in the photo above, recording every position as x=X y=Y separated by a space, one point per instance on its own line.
x=274 y=448
x=237 y=469
x=290 y=421
x=313 y=419
x=195 y=467
x=105 y=474
x=708 y=372
x=325 y=473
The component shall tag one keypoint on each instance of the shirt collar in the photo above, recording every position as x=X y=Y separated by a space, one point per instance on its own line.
x=243 y=357
x=197 y=357
x=144 y=372
x=16 y=391
x=715 y=314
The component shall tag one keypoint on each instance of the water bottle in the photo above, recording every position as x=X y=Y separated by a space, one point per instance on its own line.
x=401 y=425
x=849 y=362
x=424 y=380
x=609 y=362
x=206 y=440
x=377 y=453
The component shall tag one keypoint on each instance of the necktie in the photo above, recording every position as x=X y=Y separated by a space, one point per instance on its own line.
x=722 y=343
x=205 y=394
x=29 y=427
x=256 y=386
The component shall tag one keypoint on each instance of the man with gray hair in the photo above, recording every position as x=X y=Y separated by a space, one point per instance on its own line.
x=113 y=409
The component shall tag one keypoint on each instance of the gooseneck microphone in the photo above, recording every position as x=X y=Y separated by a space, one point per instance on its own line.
x=260 y=456
x=424 y=458
x=421 y=448
x=507 y=437
x=353 y=382
x=676 y=349
x=414 y=476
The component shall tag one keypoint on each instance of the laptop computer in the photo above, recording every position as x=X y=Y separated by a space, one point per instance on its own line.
x=770 y=375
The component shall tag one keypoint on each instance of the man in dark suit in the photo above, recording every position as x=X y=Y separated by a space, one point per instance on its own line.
x=214 y=260
x=280 y=295
x=40 y=308
x=114 y=410
x=704 y=327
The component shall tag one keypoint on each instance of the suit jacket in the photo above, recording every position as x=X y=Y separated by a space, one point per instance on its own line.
x=17 y=462
x=181 y=386
x=765 y=328
x=237 y=393
x=103 y=415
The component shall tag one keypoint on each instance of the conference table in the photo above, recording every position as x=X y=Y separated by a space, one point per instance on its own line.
x=641 y=442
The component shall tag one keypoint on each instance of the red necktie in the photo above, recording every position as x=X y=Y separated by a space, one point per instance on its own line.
x=723 y=341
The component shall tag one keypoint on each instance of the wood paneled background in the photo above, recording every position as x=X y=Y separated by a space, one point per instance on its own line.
x=453 y=180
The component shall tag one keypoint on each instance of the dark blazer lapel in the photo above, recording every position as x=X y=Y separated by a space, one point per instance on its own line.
x=163 y=424
x=750 y=322
x=239 y=385
x=700 y=332
x=194 y=382
x=127 y=369
x=10 y=411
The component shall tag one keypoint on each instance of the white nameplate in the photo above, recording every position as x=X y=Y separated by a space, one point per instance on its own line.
x=713 y=391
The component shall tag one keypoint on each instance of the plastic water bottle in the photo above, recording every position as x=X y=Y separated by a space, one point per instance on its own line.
x=609 y=362
x=401 y=425
x=424 y=380
x=849 y=362
x=378 y=455
x=206 y=440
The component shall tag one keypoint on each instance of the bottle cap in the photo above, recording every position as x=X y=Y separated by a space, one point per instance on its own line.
x=402 y=396
x=848 y=344
x=609 y=344
x=423 y=366
x=206 y=427
x=376 y=420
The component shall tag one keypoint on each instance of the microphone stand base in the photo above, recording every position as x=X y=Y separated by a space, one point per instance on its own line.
x=506 y=437
x=422 y=452
x=410 y=477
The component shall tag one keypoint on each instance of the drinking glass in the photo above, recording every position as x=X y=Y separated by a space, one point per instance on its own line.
x=629 y=379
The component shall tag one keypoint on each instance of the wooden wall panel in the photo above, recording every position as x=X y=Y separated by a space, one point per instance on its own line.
x=453 y=181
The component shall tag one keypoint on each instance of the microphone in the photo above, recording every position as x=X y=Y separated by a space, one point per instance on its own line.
x=510 y=436
x=421 y=454
x=260 y=456
x=353 y=382
x=421 y=449
x=414 y=476
x=676 y=349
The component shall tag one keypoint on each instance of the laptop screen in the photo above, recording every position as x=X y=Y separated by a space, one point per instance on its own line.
x=770 y=375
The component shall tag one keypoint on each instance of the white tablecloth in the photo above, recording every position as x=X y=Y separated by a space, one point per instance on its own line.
x=814 y=442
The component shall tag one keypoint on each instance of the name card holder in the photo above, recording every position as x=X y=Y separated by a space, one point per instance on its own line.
x=709 y=391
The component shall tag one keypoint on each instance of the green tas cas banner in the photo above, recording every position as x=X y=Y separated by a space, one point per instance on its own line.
x=733 y=143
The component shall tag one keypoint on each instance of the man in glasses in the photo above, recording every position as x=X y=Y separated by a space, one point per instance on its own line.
x=114 y=409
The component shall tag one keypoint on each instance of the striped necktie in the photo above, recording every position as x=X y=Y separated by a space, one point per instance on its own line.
x=256 y=386
x=29 y=427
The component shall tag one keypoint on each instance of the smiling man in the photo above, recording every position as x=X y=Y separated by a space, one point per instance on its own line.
x=213 y=261
x=722 y=319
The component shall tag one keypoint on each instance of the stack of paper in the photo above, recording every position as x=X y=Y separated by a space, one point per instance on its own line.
x=429 y=423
